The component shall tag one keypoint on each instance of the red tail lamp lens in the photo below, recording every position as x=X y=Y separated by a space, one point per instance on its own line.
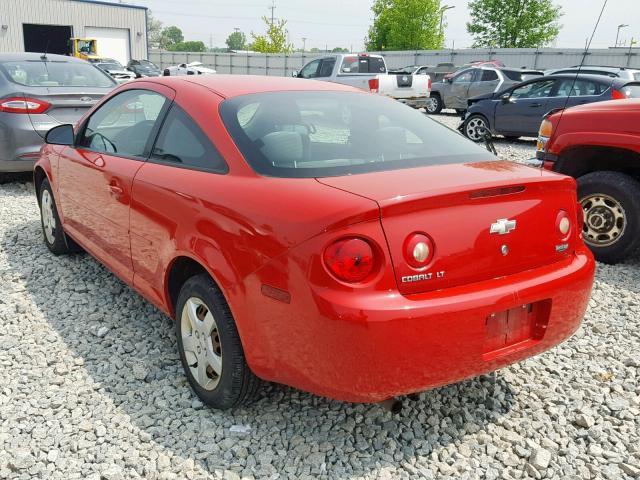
x=418 y=250
x=618 y=95
x=23 y=105
x=563 y=224
x=374 y=84
x=350 y=259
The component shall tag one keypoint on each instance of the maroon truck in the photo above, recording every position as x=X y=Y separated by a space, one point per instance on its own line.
x=599 y=145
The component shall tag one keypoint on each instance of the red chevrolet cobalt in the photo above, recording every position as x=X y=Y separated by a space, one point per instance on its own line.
x=315 y=235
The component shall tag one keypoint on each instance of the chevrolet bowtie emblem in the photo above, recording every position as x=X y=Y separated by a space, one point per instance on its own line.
x=503 y=226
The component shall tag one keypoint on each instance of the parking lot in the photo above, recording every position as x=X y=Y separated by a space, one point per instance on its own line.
x=93 y=388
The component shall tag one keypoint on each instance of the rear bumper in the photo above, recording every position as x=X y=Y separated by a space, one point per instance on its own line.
x=19 y=143
x=367 y=348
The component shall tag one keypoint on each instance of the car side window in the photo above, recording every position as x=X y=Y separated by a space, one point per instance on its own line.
x=182 y=143
x=578 y=88
x=124 y=124
x=464 y=77
x=488 y=76
x=327 y=67
x=310 y=70
x=534 y=90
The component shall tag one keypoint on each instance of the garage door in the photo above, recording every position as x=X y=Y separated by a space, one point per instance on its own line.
x=112 y=42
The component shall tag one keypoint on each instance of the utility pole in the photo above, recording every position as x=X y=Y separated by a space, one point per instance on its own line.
x=442 y=10
x=272 y=8
x=304 y=43
x=211 y=40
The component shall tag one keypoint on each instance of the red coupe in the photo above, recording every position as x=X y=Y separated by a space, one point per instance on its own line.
x=315 y=235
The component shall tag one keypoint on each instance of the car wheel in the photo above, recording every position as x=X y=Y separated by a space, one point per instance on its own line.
x=434 y=105
x=210 y=347
x=54 y=236
x=475 y=128
x=611 y=205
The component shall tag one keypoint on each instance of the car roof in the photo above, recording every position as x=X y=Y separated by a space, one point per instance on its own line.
x=16 y=57
x=234 y=85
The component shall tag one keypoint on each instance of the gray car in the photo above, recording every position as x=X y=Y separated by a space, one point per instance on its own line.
x=37 y=93
x=473 y=81
x=615 y=72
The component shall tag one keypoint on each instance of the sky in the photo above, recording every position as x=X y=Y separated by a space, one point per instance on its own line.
x=344 y=23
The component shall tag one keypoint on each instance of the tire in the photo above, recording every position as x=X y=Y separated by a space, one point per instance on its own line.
x=611 y=205
x=434 y=104
x=53 y=234
x=471 y=128
x=206 y=330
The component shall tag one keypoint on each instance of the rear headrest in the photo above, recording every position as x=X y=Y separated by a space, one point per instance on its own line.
x=283 y=148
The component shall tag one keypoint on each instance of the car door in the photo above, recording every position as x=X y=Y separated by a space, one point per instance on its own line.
x=95 y=176
x=521 y=112
x=487 y=83
x=456 y=95
x=166 y=205
x=326 y=68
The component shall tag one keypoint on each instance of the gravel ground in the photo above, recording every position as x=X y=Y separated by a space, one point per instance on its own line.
x=92 y=388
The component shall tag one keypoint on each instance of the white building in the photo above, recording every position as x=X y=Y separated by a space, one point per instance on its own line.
x=36 y=25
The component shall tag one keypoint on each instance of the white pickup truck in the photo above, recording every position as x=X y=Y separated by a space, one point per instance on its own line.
x=368 y=72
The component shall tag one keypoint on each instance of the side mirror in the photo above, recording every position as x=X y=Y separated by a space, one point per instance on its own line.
x=60 y=135
x=449 y=80
x=294 y=73
x=506 y=97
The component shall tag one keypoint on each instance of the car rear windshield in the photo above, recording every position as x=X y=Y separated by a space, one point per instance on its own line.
x=321 y=134
x=38 y=73
x=631 y=90
x=362 y=64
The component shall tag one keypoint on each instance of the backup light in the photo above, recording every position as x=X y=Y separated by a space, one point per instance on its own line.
x=418 y=250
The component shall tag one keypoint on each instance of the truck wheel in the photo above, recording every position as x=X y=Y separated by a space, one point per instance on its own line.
x=434 y=104
x=210 y=347
x=475 y=128
x=611 y=205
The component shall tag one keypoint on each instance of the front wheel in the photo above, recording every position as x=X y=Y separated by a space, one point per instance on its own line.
x=611 y=205
x=475 y=128
x=54 y=236
x=210 y=347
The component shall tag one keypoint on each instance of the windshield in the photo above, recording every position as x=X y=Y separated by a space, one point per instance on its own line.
x=36 y=73
x=320 y=134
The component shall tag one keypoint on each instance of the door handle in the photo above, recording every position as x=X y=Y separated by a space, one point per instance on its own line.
x=116 y=190
x=534 y=105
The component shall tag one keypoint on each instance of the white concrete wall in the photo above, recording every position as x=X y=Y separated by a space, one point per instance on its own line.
x=77 y=14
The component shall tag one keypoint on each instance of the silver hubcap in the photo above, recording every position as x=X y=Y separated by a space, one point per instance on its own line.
x=431 y=105
x=201 y=343
x=48 y=218
x=476 y=129
x=604 y=220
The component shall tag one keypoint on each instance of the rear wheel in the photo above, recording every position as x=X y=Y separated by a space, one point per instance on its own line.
x=475 y=128
x=434 y=104
x=210 y=347
x=611 y=205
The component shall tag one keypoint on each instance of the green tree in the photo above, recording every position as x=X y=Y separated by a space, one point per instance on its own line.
x=274 y=40
x=154 y=30
x=513 y=23
x=188 y=46
x=339 y=50
x=405 y=25
x=170 y=36
x=236 y=41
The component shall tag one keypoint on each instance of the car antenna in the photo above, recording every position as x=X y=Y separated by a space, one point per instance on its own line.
x=584 y=56
x=46 y=48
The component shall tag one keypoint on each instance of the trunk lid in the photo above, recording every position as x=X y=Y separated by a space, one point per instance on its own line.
x=456 y=206
x=68 y=104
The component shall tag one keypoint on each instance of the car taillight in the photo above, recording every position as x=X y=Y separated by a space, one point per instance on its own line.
x=563 y=224
x=350 y=259
x=618 y=95
x=23 y=105
x=374 y=84
x=429 y=84
x=418 y=250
